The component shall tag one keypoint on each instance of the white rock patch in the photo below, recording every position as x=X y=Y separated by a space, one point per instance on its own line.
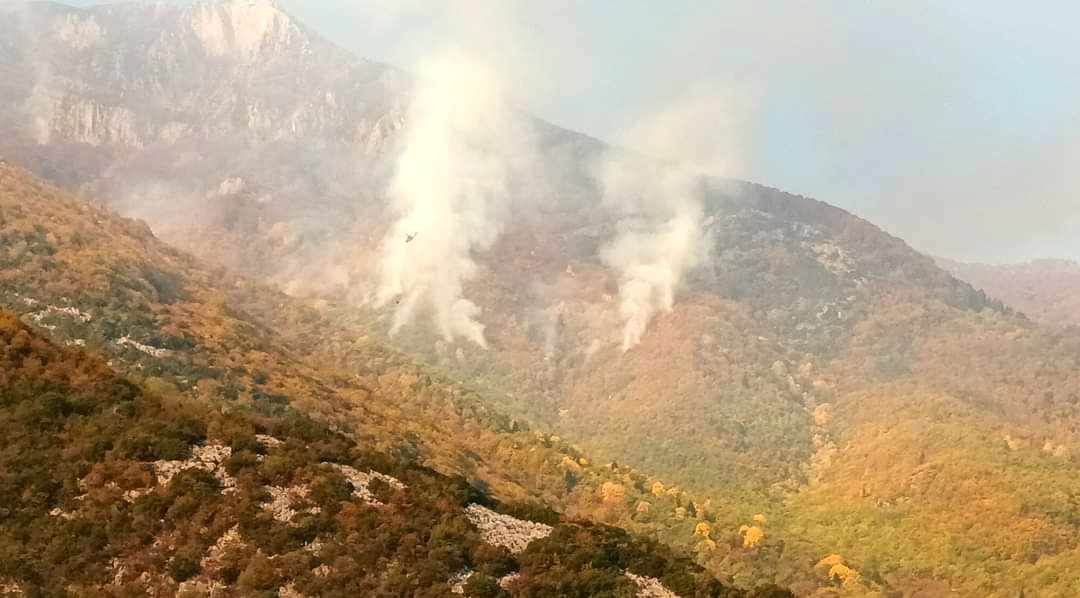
x=360 y=481
x=240 y=28
x=79 y=33
x=284 y=500
x=230 y=539
x=503 y=530
x=650 y=587
x=210 y=458
x=458 y=581
x=38 y=318
x=201 y=587
x=231 y=186
x=268 y=440
x=133 y=495
x=62 y=514
x=833 y=257
x=151 y=351
x=70 y=312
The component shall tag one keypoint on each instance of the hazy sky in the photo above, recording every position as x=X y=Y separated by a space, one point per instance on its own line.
x=954 y=125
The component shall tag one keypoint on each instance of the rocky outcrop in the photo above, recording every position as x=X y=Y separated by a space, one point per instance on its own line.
x=503 y=530
x=361 y=480
x=650 y=587
x=458 y=581
x=286 y=503
x=210 y=458
x=242 y=29
x=135 y=77
x=85 y=120
x=142 y=348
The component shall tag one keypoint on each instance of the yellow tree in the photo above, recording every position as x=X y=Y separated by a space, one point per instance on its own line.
x=752 y=535
x=612 y=493
x=702 y=529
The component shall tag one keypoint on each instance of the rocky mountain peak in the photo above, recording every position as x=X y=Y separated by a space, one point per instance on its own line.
x=242 y=29
x=134 y=76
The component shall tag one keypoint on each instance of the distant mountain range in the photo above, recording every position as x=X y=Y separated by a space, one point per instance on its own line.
x=1047 y=291
x=823 y=407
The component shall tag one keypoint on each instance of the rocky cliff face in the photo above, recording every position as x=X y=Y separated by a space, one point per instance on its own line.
x=180 y=98
x=166 y=71
x=162 y=107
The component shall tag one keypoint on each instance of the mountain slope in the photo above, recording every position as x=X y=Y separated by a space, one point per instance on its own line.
x=93 y=280
x=842 y=400
x=1047 y=291
x=110 y=489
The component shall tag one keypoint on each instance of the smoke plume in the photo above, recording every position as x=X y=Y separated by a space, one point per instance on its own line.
x=450 y=191
x=657 y=196
x=658 y=240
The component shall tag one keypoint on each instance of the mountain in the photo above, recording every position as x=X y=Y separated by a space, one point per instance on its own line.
x=239 y=133
x=224 y=462
x=843 y=416
x=1047 y=291
x=233 y=106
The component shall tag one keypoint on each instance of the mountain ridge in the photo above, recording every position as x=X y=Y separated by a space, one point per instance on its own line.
x=1044 y=289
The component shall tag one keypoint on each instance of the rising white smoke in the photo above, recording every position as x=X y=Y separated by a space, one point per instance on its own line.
x=658 y=197
x=450 y=189
x=659 y=239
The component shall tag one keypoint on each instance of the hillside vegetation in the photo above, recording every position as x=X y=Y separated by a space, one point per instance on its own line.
x=879 y=414
x=113 y=489
x=96 y=282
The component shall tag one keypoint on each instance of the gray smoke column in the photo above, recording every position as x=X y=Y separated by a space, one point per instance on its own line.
x=657 y=196
x=450 y=190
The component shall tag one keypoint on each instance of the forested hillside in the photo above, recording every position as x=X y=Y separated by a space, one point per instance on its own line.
x=110 y=488
x=95 y=280
x=205 y=471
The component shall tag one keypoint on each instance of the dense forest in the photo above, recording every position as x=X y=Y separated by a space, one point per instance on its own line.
x=110 y=488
